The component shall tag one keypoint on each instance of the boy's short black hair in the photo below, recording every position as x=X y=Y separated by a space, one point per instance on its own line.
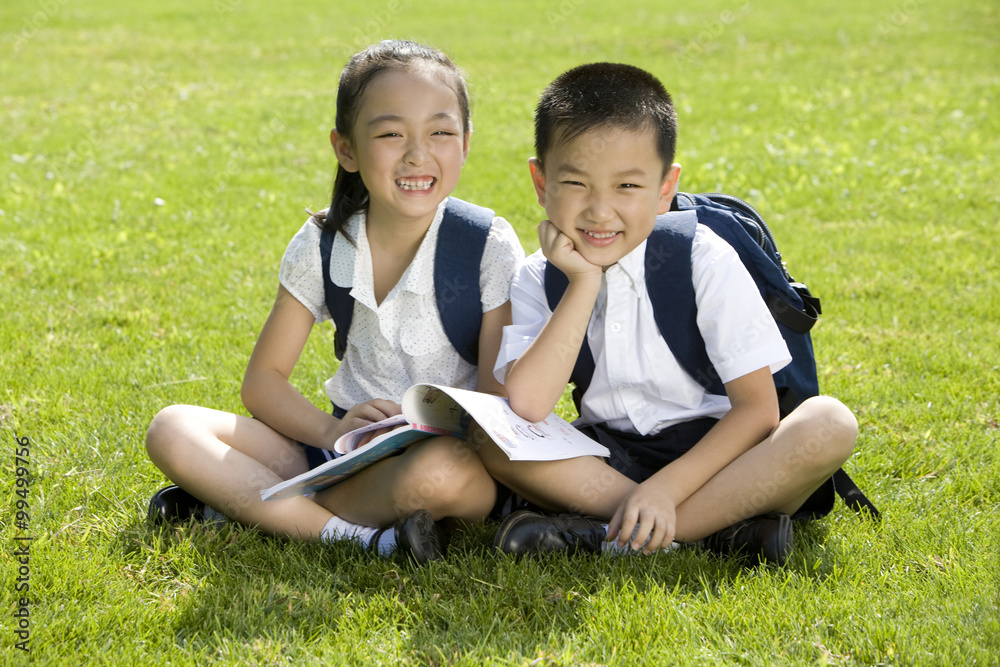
x=608 y=95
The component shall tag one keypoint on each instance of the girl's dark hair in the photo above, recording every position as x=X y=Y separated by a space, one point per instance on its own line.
x=605 y=95
x=349 y=192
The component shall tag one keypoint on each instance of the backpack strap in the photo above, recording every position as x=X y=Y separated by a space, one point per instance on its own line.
x=671 y=290
x=853 y=497
x=457 y=259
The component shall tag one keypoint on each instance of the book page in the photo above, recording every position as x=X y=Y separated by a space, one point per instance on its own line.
x=551 y=439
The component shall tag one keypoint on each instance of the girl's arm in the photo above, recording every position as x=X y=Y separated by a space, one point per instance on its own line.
x=271 y=398
x=490 y=335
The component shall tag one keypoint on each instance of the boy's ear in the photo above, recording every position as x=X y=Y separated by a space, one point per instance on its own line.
x=537 y=179
x=345 y=153
x=669 y=188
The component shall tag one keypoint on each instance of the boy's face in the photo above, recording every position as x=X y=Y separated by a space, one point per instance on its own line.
x=603 y=189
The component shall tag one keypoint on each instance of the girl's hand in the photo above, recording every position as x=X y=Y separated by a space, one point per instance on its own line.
x=366 y=413
x=559 y=249
x=647 y=516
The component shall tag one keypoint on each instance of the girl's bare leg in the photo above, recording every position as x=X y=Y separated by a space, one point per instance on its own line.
x=442 y=475
x=224 y=460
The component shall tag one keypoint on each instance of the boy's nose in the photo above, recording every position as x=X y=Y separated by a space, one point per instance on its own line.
x=599 y=209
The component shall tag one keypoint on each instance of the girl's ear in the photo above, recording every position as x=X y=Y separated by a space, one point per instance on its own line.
x=345 y=153
x=669 y=188
x=466 y=145
x=538 y=179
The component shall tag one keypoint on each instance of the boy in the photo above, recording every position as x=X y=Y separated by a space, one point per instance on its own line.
x=686 y=465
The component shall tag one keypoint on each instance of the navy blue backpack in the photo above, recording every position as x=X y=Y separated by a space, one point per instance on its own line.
x=671 y=291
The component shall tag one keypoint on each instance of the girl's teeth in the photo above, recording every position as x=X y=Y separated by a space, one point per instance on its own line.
x=415 y=185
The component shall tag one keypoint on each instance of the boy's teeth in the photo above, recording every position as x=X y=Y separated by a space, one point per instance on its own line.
x=415 y=185
x=606 y=235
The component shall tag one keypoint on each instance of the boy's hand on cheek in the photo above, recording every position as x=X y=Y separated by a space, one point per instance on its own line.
x=559 y=249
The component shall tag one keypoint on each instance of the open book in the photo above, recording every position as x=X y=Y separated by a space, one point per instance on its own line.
x=430 y=410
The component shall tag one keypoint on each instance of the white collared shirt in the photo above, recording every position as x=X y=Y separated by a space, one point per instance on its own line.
x=401 y=341
x=638 y=386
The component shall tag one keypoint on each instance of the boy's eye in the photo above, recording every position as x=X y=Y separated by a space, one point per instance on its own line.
x=571 y=183
x=628 y=185
x=445 y=133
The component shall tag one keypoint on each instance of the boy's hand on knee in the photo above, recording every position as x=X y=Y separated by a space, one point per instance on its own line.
x=646 y=519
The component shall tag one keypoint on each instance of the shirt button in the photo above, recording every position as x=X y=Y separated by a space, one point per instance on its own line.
x=616 y=327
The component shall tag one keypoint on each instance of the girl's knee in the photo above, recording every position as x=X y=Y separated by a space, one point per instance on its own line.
x=165 y=429
x=446 y=478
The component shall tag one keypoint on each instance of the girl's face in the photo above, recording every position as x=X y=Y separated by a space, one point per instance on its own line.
x=408 y=144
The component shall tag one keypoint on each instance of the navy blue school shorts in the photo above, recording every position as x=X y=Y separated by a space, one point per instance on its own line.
x=639 y=457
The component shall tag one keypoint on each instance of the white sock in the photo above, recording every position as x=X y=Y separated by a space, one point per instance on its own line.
x=338 y=529
x=387 y=541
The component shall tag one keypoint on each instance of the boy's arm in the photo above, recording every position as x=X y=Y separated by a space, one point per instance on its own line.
x=653 y=503
x=536 y=380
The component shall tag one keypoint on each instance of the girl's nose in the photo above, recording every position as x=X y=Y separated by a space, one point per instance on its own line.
x=416 y=153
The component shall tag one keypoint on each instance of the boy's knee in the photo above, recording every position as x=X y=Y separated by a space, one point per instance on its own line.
x=833 y=427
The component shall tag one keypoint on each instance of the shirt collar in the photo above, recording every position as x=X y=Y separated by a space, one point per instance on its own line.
x=352 y=266
x=633 y=267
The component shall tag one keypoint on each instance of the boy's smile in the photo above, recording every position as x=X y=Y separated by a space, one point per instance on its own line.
x=603 y=190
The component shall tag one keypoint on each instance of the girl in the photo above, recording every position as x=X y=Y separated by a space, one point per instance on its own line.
x=401 y=138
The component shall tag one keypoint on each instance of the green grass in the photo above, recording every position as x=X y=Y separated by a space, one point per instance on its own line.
x=867 y=136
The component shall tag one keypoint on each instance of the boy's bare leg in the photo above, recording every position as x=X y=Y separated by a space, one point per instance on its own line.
x=224 y=460
x=780 y=473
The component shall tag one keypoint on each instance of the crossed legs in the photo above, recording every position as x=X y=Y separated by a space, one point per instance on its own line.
x=780 y=473
x=224 y=460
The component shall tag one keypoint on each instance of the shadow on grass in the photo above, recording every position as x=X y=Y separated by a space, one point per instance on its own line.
x=231 y=589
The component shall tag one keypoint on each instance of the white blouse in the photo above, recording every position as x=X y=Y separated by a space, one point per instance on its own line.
x=401 y=341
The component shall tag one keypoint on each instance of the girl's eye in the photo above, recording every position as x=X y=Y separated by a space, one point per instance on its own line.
x=444 y=133
x=571 y=183
x=628 y=186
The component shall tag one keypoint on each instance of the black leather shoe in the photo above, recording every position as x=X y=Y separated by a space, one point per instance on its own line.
x=527 y=532
x=767 y=538
x=173 y=504
x=418 y=536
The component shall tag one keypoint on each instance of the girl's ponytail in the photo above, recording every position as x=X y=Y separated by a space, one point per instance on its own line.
x=349 y=196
